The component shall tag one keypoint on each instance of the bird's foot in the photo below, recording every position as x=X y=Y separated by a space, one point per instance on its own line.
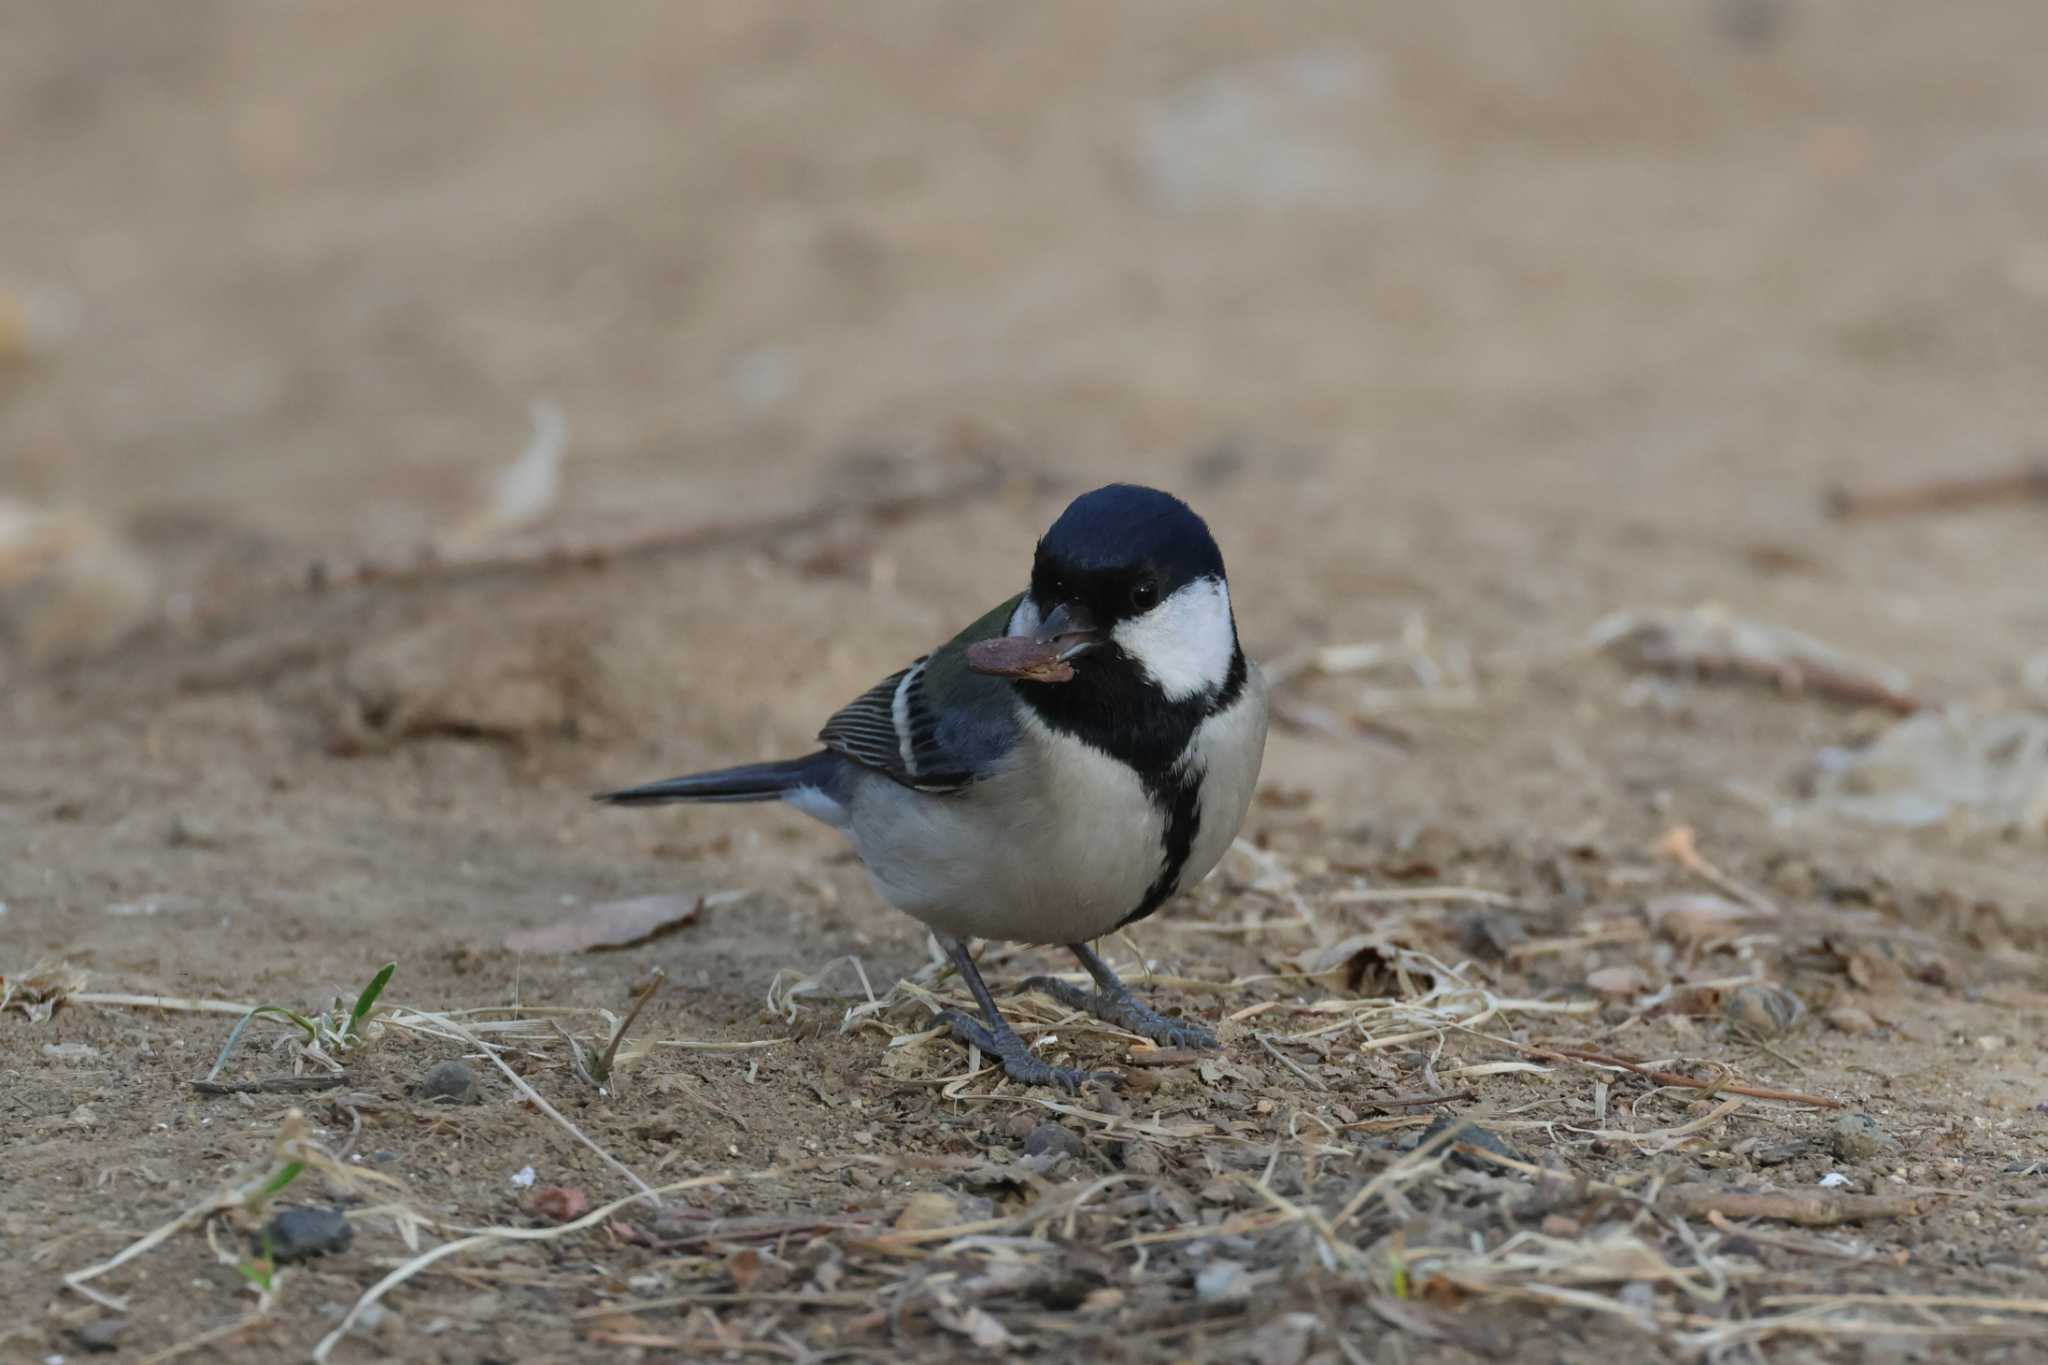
x=1020 y=1063
x=1116 y=1005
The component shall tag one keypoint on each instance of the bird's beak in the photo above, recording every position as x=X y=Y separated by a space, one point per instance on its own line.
x=1069 y=626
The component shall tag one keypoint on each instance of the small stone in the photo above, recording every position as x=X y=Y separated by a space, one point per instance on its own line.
x=1051 y=1138
x=1221 y=1281
x=298 y=1233
x=100 y=1335
x=1020 y=1127
x=1780 y=1153
x=449 y=1082
x=1857 y=1137
x=186 y=831
x=1851 y=1020
x=926 y=1211
x=1557 y=1225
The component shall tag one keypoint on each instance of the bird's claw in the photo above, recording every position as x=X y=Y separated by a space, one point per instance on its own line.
x=1125 y=1010
x=1020 y=1063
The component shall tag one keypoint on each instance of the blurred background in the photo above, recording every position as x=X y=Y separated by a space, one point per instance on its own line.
x=416 y=417
x=1466 y=324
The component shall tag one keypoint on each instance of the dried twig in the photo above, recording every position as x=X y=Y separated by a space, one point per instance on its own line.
x=2028 y=483
x=273 y=1085
x=1807 y=1210
x=539 y=1102
x=1721 y=1087
x=597 y=1215
x=1417 y=1101
x=1680 y=845
x=981 y=477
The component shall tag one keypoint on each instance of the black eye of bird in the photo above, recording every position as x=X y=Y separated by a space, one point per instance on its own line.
x=1145 y=594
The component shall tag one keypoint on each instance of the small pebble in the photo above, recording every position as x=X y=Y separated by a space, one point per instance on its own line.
x=1857 y=1137
x=100 y=1335
x=297 y=1233
x=1851 y=1020
x=1221 y=1281
x=1473 y=1134
x=1049 y=1138
x=449 y=1082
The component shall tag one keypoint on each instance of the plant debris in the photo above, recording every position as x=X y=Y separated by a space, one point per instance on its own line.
x=2028 y=483
x=619 y=924
x=1984 y=770
x=1709 y=644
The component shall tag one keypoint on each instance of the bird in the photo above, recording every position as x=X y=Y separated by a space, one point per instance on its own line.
x=1062 y=768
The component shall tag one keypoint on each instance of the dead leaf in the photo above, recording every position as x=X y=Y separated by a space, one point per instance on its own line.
x=1618 y=983
x=616 y=924
x=1694 y=919
x=1764 y=1010
x=1710 y=643
x=927 y=1210
x=976 y=1324
x=69 y=584
x=40 y=990
x=561 y=1203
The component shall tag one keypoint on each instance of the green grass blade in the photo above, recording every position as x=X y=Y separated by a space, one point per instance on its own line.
x=368 y=999
x=286 y=1175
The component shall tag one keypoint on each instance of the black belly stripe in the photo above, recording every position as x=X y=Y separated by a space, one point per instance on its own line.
x=1183 y=810
x=1117 y=713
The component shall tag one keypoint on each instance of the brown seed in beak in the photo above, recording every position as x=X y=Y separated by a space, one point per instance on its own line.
x=1022 y=658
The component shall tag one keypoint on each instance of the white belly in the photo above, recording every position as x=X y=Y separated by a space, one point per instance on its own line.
x=1010 y=858
x=1230 y=747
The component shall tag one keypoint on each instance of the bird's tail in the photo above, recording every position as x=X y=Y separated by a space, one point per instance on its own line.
x=748 y=782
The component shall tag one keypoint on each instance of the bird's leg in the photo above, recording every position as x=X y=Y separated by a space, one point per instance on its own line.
x=1112 y=1001
x=999 y=1040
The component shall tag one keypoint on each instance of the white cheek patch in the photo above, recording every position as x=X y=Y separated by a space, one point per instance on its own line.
x=1025 y=619
x=1185 y=643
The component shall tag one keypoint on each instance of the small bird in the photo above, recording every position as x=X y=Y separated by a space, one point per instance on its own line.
x=1059 y=769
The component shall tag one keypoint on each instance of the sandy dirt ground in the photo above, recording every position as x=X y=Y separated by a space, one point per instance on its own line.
x=1466 y=326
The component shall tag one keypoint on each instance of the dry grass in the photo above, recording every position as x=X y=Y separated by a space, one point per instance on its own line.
x=1569 y=1181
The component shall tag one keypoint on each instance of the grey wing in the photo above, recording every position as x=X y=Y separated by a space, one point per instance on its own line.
x=897 y=729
